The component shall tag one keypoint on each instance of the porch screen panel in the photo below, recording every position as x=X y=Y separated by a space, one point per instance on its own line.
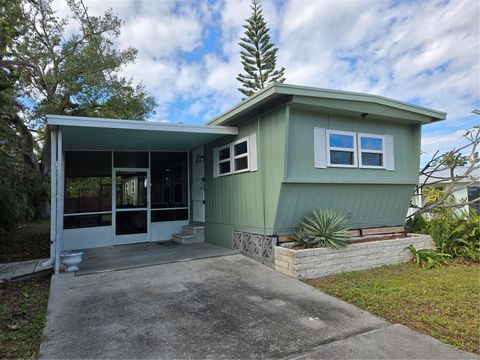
x=169 y=190
x=88 y=189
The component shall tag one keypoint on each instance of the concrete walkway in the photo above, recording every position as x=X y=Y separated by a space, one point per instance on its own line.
x=228 y=307
x=14 y=270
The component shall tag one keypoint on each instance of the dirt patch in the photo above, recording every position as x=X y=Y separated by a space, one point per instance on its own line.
x=380 y=238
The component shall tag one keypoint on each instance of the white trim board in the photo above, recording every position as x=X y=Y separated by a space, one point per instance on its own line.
x=89 y=122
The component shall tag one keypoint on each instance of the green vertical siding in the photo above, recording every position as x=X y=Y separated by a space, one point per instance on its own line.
x=300 y=162
x=365 y=205
x=246 y=201
x=286 y=186
x=369 y=197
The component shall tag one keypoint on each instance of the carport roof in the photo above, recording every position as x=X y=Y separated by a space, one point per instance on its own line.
x=85 y=133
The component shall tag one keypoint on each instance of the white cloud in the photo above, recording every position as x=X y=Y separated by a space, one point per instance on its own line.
x=423 y=51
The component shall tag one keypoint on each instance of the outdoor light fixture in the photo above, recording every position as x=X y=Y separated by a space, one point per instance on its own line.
x=199 y=159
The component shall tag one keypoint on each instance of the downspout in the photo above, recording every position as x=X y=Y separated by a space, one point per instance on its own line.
x=59 y=214
x=53 y=197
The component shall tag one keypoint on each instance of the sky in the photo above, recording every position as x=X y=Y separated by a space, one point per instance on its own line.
x=423 y=52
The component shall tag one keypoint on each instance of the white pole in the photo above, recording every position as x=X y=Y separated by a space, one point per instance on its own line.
x=53 y=196
x=59 y=208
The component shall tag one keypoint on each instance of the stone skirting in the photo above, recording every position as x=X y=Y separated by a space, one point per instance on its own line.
x=318 y=262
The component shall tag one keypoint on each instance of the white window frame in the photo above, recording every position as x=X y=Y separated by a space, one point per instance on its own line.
x=360 y=151
x=233 y=157
x=335 y=148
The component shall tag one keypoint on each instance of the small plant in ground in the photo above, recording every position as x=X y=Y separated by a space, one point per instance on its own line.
x=455 y=234
x=322 y=228
x=426 y=257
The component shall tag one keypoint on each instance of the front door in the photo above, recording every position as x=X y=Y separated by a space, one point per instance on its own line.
x=198 y=185
x=131 y=205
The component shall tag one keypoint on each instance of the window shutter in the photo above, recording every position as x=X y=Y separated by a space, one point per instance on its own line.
x=252 y=152
x=320 y=147
x=215 y=162
x=389 y=153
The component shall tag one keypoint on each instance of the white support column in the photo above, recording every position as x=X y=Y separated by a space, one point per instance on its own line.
x=53 y=195
x=59 y=198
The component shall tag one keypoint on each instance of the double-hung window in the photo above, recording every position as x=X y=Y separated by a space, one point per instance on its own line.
x=240 y=155
x=233 y=158
x=236 y=157
x=371 y=151
x=335 y=148
x=342 y=148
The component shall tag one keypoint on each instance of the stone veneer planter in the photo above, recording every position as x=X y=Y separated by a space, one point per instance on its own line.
x=318 y=262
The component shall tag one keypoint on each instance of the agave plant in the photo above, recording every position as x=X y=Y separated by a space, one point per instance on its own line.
x=322 y=228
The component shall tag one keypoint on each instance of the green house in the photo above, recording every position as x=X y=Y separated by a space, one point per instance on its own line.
x=250 y=173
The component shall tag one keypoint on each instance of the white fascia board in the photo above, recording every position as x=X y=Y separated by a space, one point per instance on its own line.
x=62 y=120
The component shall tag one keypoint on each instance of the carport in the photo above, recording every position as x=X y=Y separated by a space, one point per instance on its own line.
x=117 y=182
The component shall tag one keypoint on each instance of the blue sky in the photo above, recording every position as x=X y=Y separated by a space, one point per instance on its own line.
x=423 y=52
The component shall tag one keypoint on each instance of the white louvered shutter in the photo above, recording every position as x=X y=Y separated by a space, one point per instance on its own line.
x=320 y=147
x=389 y=153
x=252 y=144
x=215 y=162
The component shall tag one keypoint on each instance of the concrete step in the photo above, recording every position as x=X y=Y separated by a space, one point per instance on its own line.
x=186 y=239
x=197 y=230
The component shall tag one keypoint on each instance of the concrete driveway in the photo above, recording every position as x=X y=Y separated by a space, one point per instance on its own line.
x=228 y=307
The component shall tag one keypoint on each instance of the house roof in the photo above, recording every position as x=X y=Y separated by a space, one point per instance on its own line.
x=81 y=133
x=311 y=98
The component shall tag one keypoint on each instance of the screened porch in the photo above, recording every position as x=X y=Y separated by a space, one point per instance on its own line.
x=117 y=182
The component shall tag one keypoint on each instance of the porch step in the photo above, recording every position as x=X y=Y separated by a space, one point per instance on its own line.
x=196 y=230
x=186 y=239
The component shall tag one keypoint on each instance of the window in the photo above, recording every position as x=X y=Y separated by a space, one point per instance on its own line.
x=342 y=150
x=233 y=158
x=240 y=159
x=224 y=160
x=334 y=148
x=371 y=151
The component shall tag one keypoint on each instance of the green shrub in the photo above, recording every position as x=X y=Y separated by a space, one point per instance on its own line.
x=455 y=234
x=322 y=228
x=426 y=257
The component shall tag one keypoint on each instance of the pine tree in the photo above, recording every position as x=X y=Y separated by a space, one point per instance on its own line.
x=258 y=55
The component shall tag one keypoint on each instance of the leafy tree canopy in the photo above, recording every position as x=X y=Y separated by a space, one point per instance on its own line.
x=77 y=73
x=54 y=70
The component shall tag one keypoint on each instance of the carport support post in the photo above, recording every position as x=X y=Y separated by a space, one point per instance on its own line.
x=53 y=195
x=59 y=216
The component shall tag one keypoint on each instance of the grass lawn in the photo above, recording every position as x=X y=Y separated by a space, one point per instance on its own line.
x=26 y=242
x=443 y=302
x=23 y=307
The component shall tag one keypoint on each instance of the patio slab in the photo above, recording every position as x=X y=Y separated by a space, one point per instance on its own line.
x=130 y=256
x=227 y=307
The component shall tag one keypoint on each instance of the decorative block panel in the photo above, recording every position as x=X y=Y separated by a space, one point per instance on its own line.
x=256 y=246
